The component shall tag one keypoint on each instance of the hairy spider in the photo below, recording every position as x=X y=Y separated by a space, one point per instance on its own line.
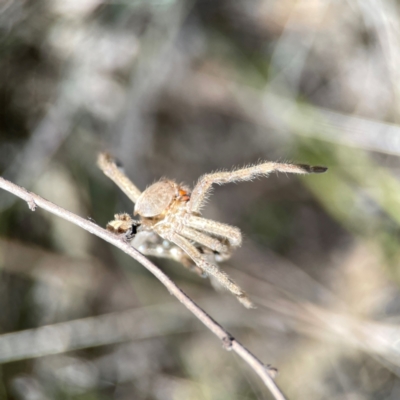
x=170 y=224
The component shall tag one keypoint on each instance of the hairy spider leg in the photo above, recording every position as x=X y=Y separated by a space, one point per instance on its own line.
x=203 y=239
x=202 y=188
x=211 y=269
x=108 y=165
x=229 y=232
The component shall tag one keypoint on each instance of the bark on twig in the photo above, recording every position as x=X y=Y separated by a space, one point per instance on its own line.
x=228 y=341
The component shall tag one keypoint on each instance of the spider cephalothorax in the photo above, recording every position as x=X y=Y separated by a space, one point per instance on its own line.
x=170 y=224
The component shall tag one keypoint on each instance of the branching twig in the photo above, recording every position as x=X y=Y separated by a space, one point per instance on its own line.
x=229 y=342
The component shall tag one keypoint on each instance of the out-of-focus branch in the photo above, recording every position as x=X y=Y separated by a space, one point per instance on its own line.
x=229 y=342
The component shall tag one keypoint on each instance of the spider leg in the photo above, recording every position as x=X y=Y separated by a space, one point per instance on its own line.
x=202 y=188
x=204 y=240
x=210 y=269
x=229 y=232
x=108 y=165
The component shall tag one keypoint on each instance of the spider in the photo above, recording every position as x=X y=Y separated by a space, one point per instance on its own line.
x=170 y=223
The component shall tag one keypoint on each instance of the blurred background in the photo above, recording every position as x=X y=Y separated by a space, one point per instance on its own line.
x=180 y=88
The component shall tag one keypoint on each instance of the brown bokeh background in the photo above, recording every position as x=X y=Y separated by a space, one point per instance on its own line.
x=178 y=89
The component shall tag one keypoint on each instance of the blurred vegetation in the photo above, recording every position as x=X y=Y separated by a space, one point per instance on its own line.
x=180 y=88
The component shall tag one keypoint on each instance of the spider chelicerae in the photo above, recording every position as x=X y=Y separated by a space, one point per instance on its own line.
x=170 y=223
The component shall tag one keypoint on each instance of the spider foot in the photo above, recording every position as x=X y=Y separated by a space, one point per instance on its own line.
x=317 y=169
x=245 y=300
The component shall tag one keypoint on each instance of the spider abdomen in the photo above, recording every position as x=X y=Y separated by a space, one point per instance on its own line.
x=156 y=199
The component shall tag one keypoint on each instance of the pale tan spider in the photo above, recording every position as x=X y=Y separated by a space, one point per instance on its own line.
x=170 y=224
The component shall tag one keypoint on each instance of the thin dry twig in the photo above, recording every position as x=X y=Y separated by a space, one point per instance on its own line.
x=229 y=342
